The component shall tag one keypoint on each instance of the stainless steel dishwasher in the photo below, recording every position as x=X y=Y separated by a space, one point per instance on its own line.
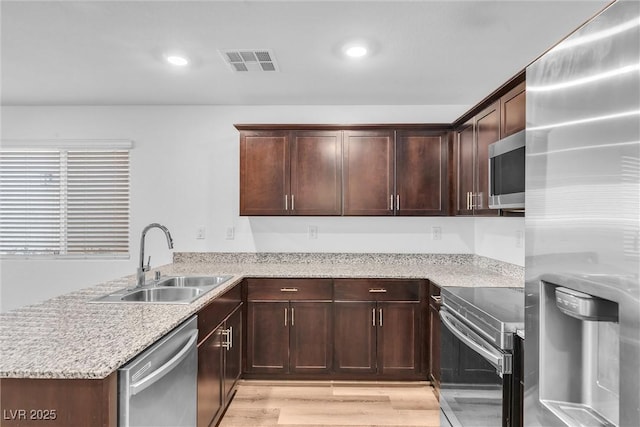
x=159 y=387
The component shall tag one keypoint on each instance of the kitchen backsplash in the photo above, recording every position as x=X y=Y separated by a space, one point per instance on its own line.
x=503 y=268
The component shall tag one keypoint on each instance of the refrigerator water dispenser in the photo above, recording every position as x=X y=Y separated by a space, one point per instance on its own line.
x=580 y=353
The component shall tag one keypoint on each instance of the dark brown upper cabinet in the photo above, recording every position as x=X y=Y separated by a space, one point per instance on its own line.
x=422 y=185
x=290 y=172
x=264 y=172
x=472 y=161
x=376 y=171
x=464 y=154
x=369 y=172
x=487 y=132
x=401 y=172
x=513 y=110
x=501 y=114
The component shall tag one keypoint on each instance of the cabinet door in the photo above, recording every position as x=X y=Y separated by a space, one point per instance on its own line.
x=268 y=337
x=368 y=172
x=311 y=337
x=464 y=147
x=355 y=337
x=487 y=132
x=398 y=338
x=233 y=354
x=210 y=357
x=513 y=108
x=316 y=173
x=264 y=172
x=421 y=173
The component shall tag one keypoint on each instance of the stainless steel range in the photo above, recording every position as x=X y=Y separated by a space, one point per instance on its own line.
x=476 y=355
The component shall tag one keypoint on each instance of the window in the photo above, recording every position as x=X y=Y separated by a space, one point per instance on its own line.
x=64 y=198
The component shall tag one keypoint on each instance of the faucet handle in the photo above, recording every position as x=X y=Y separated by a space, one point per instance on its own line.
x=148 y=266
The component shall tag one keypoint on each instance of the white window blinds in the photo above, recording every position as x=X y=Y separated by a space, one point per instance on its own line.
x=71 y=201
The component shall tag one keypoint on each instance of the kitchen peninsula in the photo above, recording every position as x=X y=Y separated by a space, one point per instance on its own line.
x=67 y=341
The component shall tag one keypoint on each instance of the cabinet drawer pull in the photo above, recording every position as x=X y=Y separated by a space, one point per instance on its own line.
x=437 y=299
x=377 y=291
x=288 y=289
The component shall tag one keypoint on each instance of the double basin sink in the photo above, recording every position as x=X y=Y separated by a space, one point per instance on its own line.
x=168 y=290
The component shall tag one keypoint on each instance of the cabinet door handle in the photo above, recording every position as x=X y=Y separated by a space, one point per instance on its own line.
x=230 y=336
x=377 y=290
x=391 y=202
x=286 y=315
x=288 y=289
x=227 y=338
x=293 y=202
x=293 y=316
x=397 y=202
x=478 y=202
x=373 y=317
x=468 y=200
x=286 y=202
x=380 y=321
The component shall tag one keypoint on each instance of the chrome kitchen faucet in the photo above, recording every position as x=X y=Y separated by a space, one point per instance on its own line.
x=140 y=279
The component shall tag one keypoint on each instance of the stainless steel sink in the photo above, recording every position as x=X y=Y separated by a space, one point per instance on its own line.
x=162 y=294
x=167 y=290
x=193 y=281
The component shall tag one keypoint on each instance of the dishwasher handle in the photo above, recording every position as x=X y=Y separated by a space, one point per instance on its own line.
x=501 y=361
x=156 y=375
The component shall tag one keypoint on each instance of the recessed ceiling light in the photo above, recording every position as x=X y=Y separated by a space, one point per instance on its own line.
x=355 y=51
x=178 y=61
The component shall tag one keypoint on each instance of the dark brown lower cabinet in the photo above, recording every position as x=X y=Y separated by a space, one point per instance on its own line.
x=355 y=337
x=28 y=402
x=210 y=355
x=289 y=337
x=380 y=338
x=219 y=368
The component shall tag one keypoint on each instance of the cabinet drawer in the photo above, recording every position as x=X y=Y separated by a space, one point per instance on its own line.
x=214 y=313
x=376 y=290
x=289 y=289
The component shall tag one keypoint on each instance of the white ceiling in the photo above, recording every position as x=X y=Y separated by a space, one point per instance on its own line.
x=425 y=52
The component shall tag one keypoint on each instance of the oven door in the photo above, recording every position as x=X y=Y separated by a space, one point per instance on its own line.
x=475 y=377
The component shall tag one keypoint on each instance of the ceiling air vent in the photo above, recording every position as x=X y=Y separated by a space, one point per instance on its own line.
x=249 y=59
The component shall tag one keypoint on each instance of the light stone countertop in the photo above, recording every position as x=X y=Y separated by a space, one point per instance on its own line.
x=68 y=337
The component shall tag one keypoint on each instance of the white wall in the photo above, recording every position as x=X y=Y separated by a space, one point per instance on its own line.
x=185 y=175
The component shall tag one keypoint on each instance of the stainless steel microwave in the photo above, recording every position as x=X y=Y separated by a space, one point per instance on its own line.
x=506 y=172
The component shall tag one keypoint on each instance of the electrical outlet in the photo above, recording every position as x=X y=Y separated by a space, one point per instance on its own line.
x=519 y=238
x=231 y=233
x=313 y=232
x=436 y=233
x=200 y=233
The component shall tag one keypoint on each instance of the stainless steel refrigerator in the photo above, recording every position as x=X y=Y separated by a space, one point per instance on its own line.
x=582 y=309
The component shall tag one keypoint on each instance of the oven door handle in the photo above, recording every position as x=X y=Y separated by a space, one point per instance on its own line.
x=500 y=361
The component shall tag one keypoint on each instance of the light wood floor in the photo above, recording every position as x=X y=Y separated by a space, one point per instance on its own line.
x=330 y=403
